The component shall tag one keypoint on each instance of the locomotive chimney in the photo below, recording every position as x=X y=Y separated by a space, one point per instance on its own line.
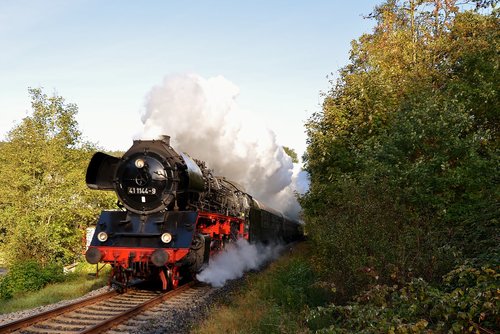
x=165 y=139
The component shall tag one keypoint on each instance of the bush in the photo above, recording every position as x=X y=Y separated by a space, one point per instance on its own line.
x=5 y=289
x=291 y=286
x=366 y=237
x=467 y=303
x=29 y=276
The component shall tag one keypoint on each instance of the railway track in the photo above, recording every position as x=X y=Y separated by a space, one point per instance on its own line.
x=93 y=315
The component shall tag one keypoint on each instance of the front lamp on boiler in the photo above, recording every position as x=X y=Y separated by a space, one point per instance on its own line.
x=166 y=238
x=102 y=236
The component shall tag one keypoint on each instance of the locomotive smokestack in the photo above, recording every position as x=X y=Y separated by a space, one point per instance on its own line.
x=165 y=139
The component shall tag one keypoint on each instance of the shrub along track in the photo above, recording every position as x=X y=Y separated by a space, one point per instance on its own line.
x=96 y=314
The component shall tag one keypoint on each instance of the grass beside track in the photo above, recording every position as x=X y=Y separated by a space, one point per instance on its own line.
x=271 y=301
x=75 y=285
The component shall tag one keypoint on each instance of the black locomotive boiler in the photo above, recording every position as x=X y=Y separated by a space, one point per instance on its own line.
x=174 y=214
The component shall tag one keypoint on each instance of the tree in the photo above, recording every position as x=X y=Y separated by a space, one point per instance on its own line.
x=403 y=155
x=291 y=153
x=45 y=205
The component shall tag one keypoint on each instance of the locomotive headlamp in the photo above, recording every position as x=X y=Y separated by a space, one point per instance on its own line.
x=102 y=236
x=139 y=163
x=166 y=238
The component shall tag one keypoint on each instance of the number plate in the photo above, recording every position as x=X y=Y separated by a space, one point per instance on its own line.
x=141 y=191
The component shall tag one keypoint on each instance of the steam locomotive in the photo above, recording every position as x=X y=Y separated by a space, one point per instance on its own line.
x=175 y=214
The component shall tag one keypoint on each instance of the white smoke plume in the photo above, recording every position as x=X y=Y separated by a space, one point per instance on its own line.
x=203 y=119
x=237 y=259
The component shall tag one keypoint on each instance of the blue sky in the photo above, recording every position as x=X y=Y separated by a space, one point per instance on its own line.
x=105 y=56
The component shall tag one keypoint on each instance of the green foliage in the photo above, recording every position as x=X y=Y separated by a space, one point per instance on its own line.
x=75 y=284
x=354 y=254
x=292 y=154
x=6 y=291
x=404 y=156
x=292 y=286
x=404 y=163
x=467 y=303
x=28 y=276
x=274 y=301
x=45 y=204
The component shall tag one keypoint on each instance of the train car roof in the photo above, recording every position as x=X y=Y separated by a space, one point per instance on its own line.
x=262 y=206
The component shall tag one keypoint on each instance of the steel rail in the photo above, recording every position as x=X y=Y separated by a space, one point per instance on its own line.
x=25 y=322
x=120 y=318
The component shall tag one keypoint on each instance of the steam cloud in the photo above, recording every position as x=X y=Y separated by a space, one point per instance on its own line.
x=235 y=260
x=203 y=119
